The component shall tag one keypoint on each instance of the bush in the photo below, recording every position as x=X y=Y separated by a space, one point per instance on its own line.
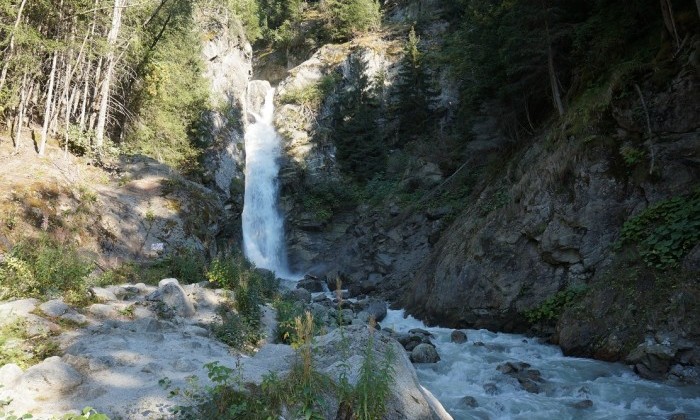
x=43 y=268
x=551 y=309
x=666 y=231
x=346 y=18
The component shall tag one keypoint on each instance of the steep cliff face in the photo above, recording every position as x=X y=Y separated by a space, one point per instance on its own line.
x=228 y=57
x=547 y=223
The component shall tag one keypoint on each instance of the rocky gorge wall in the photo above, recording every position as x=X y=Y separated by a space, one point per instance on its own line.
x=541 y=217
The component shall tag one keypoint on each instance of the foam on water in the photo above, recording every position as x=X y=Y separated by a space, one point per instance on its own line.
x=263 y=226
x=464 y=369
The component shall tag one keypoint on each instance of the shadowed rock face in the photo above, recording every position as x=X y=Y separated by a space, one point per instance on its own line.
x=565 y=208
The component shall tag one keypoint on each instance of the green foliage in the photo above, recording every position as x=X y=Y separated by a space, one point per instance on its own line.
x=43 y=268
x=288 y=309
x=374 y=383
x=325 y=198
x=665 y=231
x=225 y=270
x=510 y=51
x=16 y=346
x=174 y=95
x=414 y=92
x=632 y=155
x=236 y=330
x=347 y=18
x=551 y=309
x=360 y=149
x=86 y=413
x=240 y=325
x=311 y=97
x=187 y=265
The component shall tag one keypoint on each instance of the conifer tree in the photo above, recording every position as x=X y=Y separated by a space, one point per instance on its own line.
x=414 y=91
x=360 y=151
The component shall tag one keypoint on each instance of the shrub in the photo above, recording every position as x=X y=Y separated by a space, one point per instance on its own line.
x=42 y=268
x=16 y=346
x=347 y=18
x=666 y=231
x=374 y=384
x=551 y=309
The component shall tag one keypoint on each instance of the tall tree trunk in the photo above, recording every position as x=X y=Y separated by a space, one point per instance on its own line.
x=47 y=110
x=95 y=94
x=110 y=64
x=3 y=73
x=670 y=21
x=20 y=112
x=556 y=93
x=86 y=90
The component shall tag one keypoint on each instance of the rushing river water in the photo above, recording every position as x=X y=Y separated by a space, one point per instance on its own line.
x=469 y=370
x=466 y=380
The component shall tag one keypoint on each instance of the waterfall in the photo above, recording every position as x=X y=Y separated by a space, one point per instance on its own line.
x=263 y=226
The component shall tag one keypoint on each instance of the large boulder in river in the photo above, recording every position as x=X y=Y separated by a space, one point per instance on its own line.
x=339 y=353
x=424 y=353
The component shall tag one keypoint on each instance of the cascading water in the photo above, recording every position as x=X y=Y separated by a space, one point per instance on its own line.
x=467 y=383
x=466 y=380
x=263 y=226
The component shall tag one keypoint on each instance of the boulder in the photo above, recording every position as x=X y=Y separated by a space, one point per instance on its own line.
x=10 y=374
x=52 y=377
x=102 y=295
x=468 y=401
x=16 y=308
x=54 y=308
x=529 y=379
x=458 y=336
x=312 y=284
x=102 y=311
x=651 y=360
x=424 y=353
x=172 y=295
x=583 y=404
x=376 y=309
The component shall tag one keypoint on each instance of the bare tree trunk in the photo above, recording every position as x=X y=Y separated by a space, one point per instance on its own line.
x=111 y=62
x=670 y=21
x=86 y=89
x=47 y=110
x=3 y=73
x=95 y=94
x=20 y=112
x=556 y=94
x=697 y=3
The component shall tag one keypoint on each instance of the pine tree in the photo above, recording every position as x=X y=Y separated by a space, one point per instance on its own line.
x=414 y=91
x=360 y=151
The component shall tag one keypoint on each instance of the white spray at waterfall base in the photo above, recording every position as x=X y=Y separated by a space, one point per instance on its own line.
x=263 y=225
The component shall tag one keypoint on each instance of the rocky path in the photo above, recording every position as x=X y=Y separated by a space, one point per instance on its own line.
x=137 y=336
x=115 y=353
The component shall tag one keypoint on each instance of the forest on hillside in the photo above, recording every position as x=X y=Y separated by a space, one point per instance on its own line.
x=121 y=75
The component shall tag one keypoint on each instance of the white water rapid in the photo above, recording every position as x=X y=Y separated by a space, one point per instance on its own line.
x=263 y=226
x=469 y=370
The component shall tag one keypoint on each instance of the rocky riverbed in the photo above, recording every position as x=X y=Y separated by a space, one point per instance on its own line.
x=113 y=354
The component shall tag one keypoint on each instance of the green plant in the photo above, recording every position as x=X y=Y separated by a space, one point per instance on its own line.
x=551 y=309
x=17 y=347
x=374 y=383
x=311 y=96
x=632 y=155
x=42 y=267
x=665 y=231
x=86 y=413
x=236 y=330
x=127 y=311
x=226 y=399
